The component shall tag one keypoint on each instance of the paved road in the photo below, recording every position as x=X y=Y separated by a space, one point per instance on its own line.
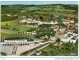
x=38 y=49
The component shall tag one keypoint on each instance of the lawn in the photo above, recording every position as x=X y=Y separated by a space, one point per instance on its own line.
x=8 y=31
x=7 y=35
x=13 y=22
x=12 y=29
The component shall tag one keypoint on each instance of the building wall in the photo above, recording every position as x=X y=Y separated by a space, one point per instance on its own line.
x=65 y=23
x=18 y=42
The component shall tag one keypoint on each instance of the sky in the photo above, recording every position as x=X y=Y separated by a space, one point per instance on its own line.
x=36 y=3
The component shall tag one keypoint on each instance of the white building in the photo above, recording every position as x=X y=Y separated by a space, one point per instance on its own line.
x=8 y=15
x=18 y=42
x=72 y=39
x=62 y=29
x=52 y=39
x=53 y=23
x=23 y=21
x=71 y=21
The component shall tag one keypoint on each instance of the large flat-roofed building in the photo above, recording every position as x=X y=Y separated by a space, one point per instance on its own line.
x=17 y=41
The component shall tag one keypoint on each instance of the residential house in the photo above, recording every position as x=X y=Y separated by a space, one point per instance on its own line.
x=8 y=14
x=73 y=40
x=66 y=22
x=52 y=39
x=55 y=27
x=24 y=20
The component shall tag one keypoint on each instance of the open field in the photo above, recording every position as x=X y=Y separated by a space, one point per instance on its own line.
x=7 y=35
x=8 y=31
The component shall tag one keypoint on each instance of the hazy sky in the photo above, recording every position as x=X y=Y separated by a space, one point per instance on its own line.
x=36 y=3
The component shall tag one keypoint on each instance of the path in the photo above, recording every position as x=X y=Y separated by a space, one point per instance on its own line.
x=14 y=50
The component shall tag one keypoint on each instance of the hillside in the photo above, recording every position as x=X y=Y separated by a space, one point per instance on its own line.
x=44 y=12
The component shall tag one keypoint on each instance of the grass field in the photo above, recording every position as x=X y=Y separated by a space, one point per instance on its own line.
x=14 y=24
x=8 y=33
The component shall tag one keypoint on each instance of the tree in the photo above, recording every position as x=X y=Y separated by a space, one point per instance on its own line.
x=41 y=18
x=6 y=24
x=58 y=40
x=51 y=16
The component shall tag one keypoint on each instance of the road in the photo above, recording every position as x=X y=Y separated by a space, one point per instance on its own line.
x=37 y=49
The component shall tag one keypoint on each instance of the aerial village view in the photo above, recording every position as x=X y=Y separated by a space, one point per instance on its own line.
x=39 y=29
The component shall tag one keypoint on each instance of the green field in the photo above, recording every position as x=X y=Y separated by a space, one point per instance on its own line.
x=14 y=35
x=9 y=32
x=63 y=50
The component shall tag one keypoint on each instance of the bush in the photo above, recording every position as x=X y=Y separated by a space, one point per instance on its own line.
x=3 y=54
x=15 y=29
x=4 y=27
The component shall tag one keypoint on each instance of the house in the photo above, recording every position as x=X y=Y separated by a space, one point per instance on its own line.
x=58 y=44
x=71 y=27
x=61 y=33
x=53 y=23
x=65 y=21
x=8 y=14
x=76 y=26
x=43 y=42
x=15 y=15
x=62 y=29
x=52 y=39
x=74 y=38
x=29 y=19
x=24 y=20
x=55 y=27
x=65 y=40
x=38 y=52
x=71 y=21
